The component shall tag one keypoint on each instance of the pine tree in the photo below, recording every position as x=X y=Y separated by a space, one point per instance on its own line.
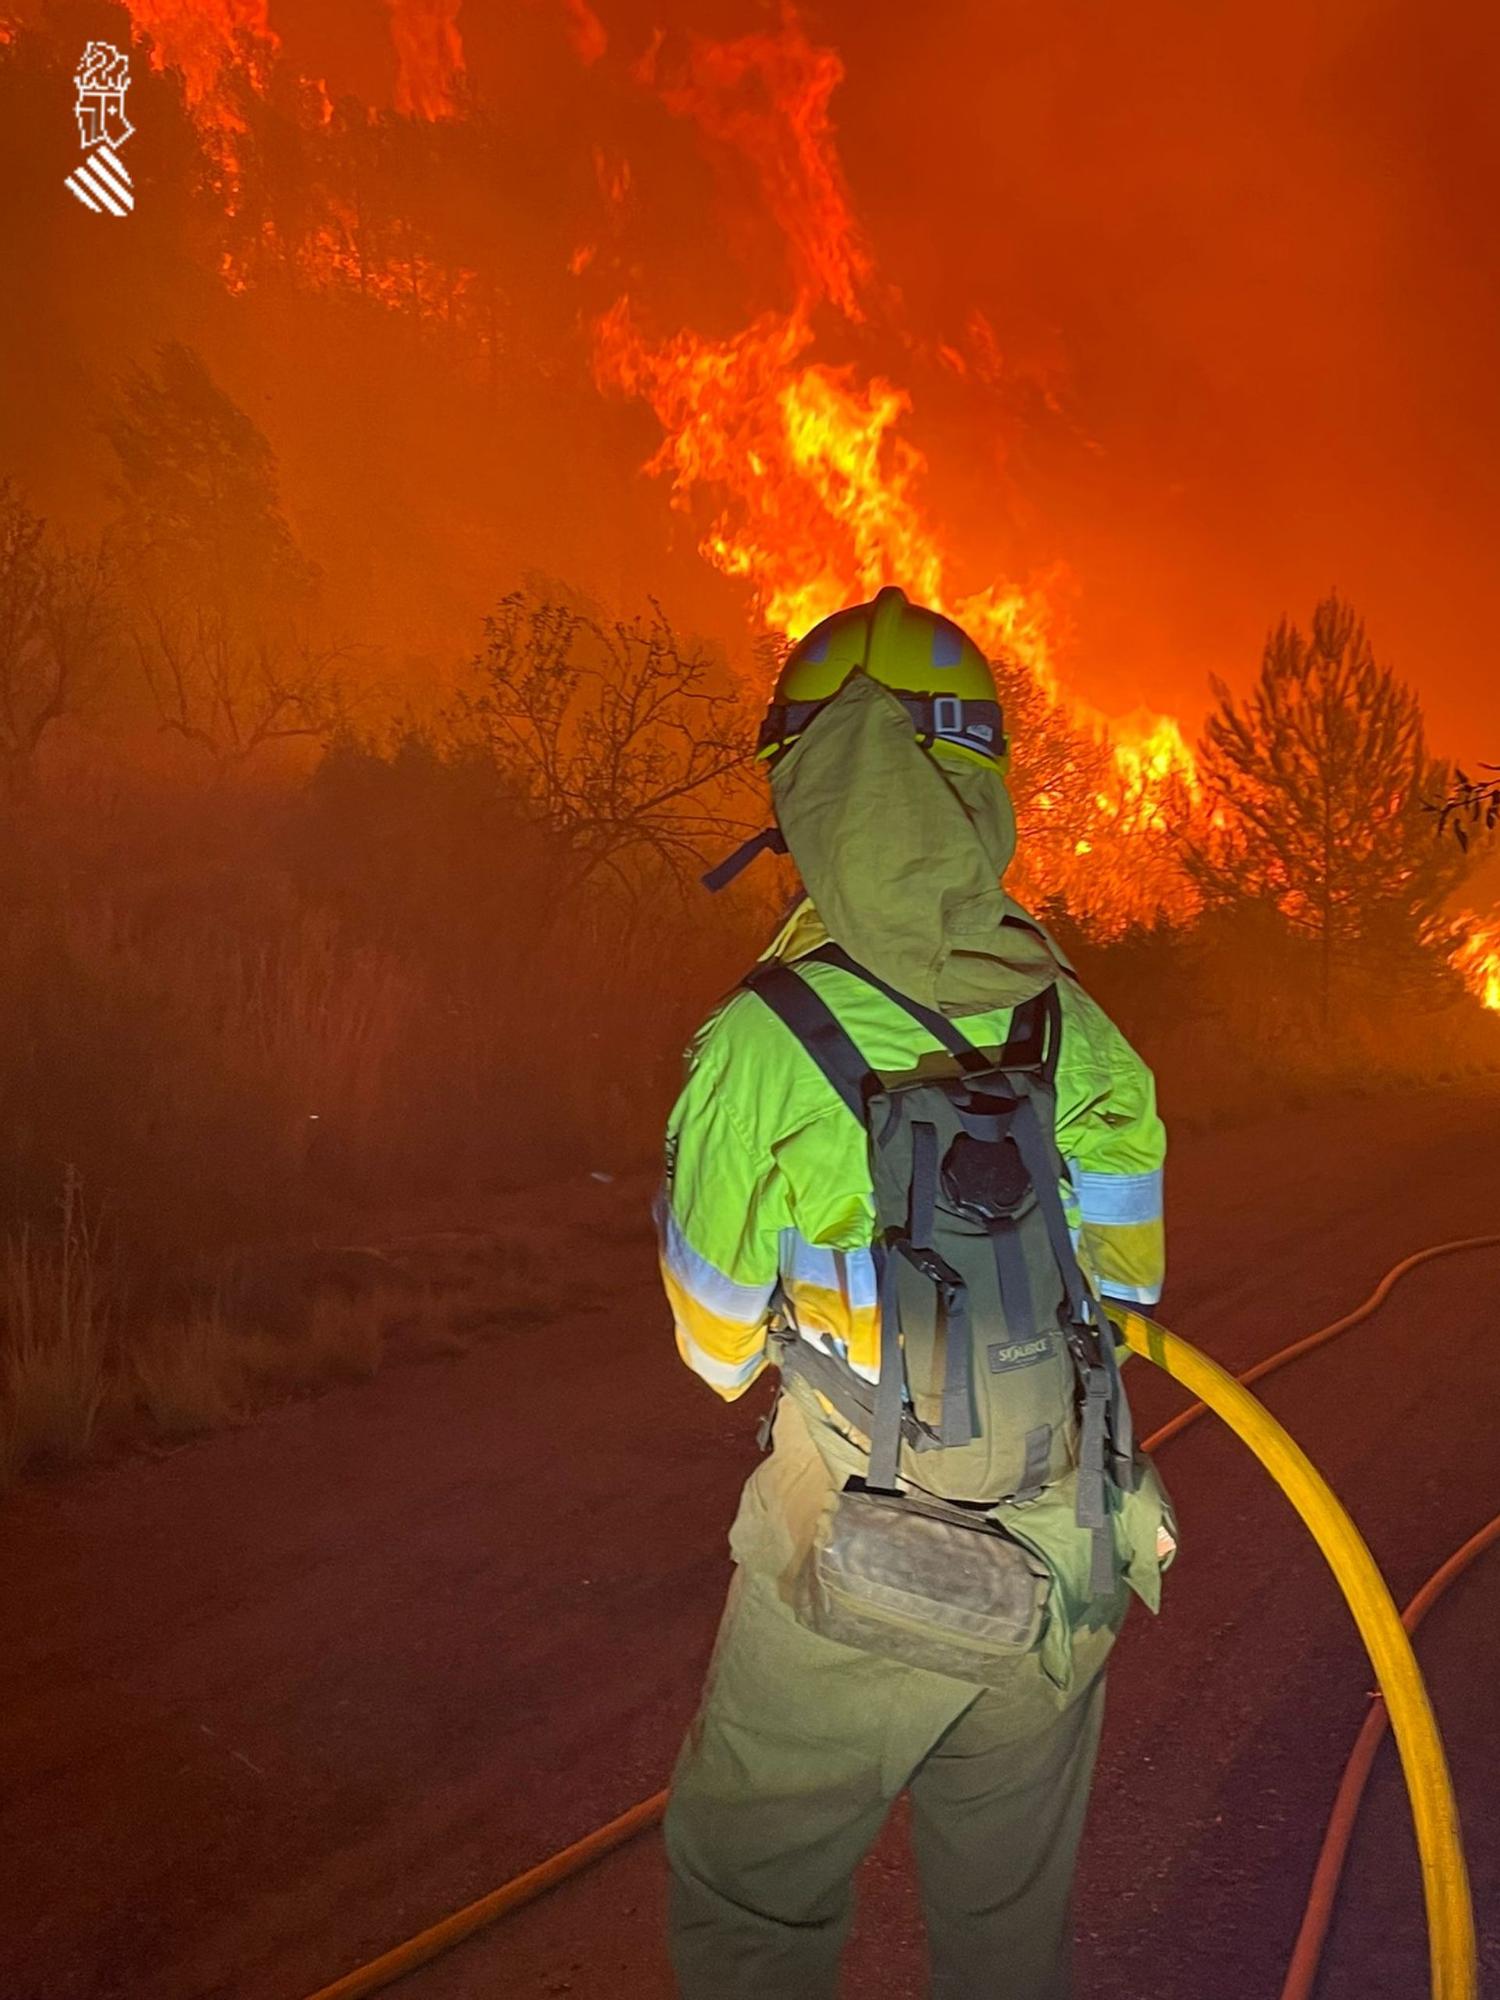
x=1316 y=788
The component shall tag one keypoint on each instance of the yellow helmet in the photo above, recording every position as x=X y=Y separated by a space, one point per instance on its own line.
x=936 y=671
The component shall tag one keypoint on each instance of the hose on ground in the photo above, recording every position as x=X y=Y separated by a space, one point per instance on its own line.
x=1324 y=1334
x=1307 y=1953
x=1452 y=1952
x=440 y=1937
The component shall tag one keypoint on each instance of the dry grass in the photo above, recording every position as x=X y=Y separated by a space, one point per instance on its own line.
x=328 y=1022
x=189 y=1375
x=202 y=1373
x=427 y=1328
x=346 y=1336
x=53 y=1348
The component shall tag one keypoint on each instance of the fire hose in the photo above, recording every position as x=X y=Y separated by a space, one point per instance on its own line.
x=1403 y=1701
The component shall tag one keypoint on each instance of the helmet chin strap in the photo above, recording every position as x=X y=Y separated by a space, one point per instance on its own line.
x=770 y=840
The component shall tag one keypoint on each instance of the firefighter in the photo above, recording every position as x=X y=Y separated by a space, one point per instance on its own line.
x=911 y=1162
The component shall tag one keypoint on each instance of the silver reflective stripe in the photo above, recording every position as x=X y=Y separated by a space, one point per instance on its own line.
x=1108 y=1199
x=725 y=1297
x=1130 y=1295
x=849 y=1272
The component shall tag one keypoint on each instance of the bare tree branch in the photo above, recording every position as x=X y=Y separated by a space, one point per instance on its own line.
x=233 y=693
x=57 y=626
x=610 y=732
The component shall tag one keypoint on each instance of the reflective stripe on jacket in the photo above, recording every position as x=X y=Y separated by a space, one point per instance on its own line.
x=768 y=1180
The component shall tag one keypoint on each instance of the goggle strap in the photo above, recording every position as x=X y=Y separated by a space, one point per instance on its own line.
x=976 y=725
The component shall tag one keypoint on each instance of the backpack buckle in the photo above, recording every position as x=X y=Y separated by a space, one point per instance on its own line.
x=934 y=1268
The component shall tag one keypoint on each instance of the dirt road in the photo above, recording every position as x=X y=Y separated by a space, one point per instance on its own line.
x=272 y=1703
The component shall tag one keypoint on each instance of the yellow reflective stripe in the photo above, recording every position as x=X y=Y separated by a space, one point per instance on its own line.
x=724 y=1297
x=831 y=1314
x=728 y=1379
x=728 y=1341
x=1127 y=1260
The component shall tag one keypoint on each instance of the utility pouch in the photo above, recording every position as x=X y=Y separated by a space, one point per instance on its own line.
x=1146 y=1533
x=916 y=1581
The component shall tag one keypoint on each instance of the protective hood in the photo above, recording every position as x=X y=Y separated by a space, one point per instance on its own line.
x=902 y=857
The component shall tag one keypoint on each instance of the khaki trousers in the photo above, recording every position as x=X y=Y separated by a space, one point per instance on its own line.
x=796 y=1755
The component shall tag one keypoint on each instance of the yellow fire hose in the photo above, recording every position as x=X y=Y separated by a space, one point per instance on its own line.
x=1445 y=1879
x=1445 y=1876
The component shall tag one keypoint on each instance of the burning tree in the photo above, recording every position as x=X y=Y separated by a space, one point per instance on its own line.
x=1314 y=789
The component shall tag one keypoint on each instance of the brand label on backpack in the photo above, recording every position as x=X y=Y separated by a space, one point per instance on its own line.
x=1019 y=1353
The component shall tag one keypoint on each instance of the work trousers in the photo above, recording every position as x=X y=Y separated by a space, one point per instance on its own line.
x=797 y=1753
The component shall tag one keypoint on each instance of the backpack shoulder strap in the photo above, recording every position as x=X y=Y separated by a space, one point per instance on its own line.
x=1035 y=1039
x=816 y=1027
x=936 y=1024
x=1034 y=1042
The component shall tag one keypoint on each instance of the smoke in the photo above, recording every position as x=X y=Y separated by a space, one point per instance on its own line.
x=1193 y=307
x=765 y=98
x=1241 y=263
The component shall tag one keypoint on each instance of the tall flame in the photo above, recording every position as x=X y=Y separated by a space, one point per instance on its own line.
x=205 y=39
x=202 y=39
x=429 y=56
x=766 y=96
x=817 y=491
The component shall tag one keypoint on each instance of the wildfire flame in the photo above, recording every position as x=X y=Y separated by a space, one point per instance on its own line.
x=815 y=488
x=202 y=41
x=818 y=491
x=821 y=503
x=206 y=38
x=1477 y=958
x=429 y=56
x=765 y=96
x=1151 y=752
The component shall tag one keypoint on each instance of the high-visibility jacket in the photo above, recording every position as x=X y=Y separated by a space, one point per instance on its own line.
x=768 y=1181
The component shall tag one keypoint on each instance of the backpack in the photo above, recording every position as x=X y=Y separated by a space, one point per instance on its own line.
x=998 y=1371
